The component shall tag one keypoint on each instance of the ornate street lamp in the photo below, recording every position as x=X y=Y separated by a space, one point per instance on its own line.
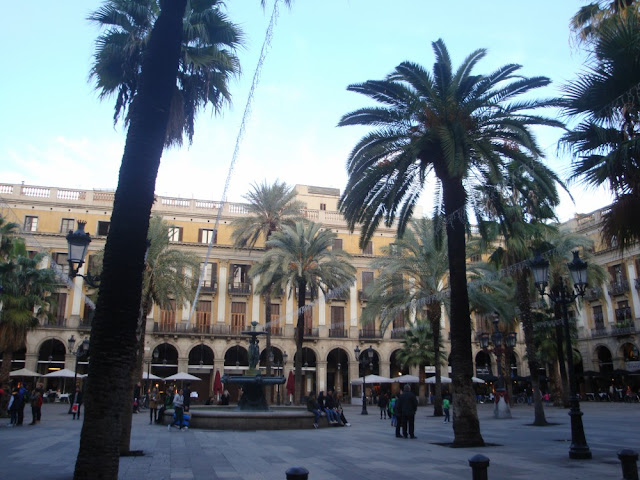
x=78 y=243
x=564 y=296
x=82 y=351
x=365 y=357
x=502 y=344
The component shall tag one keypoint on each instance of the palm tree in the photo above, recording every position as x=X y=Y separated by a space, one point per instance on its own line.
x=113 y=331
x=300 y=258
x=604 y=100
x=420 y=347
x=8 y=231
x=269 y=207
x=25 y=298
x=460 y=126
x=593 y=17
x=413 y=273
x=167 y=279
x=207 y=59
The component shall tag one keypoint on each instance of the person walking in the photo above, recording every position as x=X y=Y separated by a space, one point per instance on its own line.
x=21 y=399
x=178 y=409
x=153 y=405
x=76 y=403
x=36 y=404
x=383 y=402
x=392 y=410
x=445 y=406
x=408 y=404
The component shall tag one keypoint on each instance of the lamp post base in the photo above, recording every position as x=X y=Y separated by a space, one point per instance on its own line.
x=579 y=449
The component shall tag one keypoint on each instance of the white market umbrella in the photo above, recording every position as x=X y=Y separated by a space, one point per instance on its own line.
x=64 y=373
x=151 y=376
x=24 y=372
x=372 y=379
x=181 y=376
x=443 y=379
x=406 y=379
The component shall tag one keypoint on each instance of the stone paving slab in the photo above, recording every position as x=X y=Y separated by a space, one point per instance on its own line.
x=366 y=451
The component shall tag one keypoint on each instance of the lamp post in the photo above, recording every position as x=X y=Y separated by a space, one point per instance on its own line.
x=364 y=357
x=78 y=243
x=155 y=355
x=502 y=344
x=564 y=296
x=82 y=350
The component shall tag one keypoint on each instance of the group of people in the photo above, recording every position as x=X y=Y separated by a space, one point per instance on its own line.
x=20 y=397
x=329 y=406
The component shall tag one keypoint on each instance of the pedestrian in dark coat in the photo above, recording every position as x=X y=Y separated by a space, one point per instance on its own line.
x=76 y=403
x=408 y=405
x=383 y=401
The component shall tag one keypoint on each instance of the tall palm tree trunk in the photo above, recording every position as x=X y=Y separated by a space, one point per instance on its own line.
x=5 y=373
x=267 y=328
x=302 y=287
x=466 y=427
x=524 y=303
x=434 y=313
x=113 y=333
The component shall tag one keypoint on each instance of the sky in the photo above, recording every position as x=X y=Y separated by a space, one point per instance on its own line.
x=55 y=131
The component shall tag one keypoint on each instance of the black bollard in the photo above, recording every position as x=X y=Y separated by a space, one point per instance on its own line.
x=479 y=465
x=297 y=473
x=629 y=460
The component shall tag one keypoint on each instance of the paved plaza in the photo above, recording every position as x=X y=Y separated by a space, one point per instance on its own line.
x=366 y=451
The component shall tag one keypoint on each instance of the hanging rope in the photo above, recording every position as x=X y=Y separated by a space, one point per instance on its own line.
x=266 y=44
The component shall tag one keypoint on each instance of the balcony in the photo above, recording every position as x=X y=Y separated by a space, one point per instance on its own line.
x=209 y=287
x=592 y=294
x=311 y=294
x=54 y=323
x=362 y=296
x=276 y=331
x=397 y=333
x=370 y=334
x=599 y=332
x=621 y=329
x=85 y=324
x=337 y=333
x=618 y=288
x=310 y=332
x=240 y=289
x=340 y=294
x=623 y=315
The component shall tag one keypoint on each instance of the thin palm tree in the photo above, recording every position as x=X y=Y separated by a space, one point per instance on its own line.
x=269 y=207
x=590 y=19
x=606 y=141
x=168 y=283
x=207 y=59
x=25 y=298
x=300 y=258
x=462 y=127
x=8 y=239
x=114 y=327
x=413 y=277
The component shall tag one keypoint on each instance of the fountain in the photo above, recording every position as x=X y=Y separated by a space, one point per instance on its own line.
x=252 y=412
x=253 y=383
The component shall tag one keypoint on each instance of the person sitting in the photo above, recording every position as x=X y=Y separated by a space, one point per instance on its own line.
x=332 y=417
x=313 y=407
x=343 y=419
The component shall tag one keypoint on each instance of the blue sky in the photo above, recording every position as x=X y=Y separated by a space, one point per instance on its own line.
x=55 y=131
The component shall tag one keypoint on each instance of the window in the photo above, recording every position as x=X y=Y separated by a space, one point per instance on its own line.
x=367 y=279
x=205 y=235
x=276 y=329
x=59 y=301
x=337 y=244
x=238 y=315
x=368 y=249
x=617 y=274
x=337 y=322
x=308 y=320
x=210 y=275
x=30 y=224
x=203 y=316
x=61 y=261
x=598 y=317
x=103 y=229
x=175 y=234
x=66 y=225
x=168 y=318
x=323 y=206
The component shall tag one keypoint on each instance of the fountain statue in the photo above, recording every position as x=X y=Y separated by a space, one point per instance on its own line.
x=253 y=382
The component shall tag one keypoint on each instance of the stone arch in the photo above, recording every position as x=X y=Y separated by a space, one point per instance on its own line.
x=51 y=355
x=236 y=358
x=629 y=352
x=397 y=368
x=483 y=363
x=201 y=355
x=338 y=371
x=605 y=360
x=167 y=363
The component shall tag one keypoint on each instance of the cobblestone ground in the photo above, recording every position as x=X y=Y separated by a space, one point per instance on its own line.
x=366 y=450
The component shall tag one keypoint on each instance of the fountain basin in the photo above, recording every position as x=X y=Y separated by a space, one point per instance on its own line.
x=231 y=418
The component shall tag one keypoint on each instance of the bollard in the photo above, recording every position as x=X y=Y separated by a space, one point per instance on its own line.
x=629 y=460
x=479 y=465
x=297 y=473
